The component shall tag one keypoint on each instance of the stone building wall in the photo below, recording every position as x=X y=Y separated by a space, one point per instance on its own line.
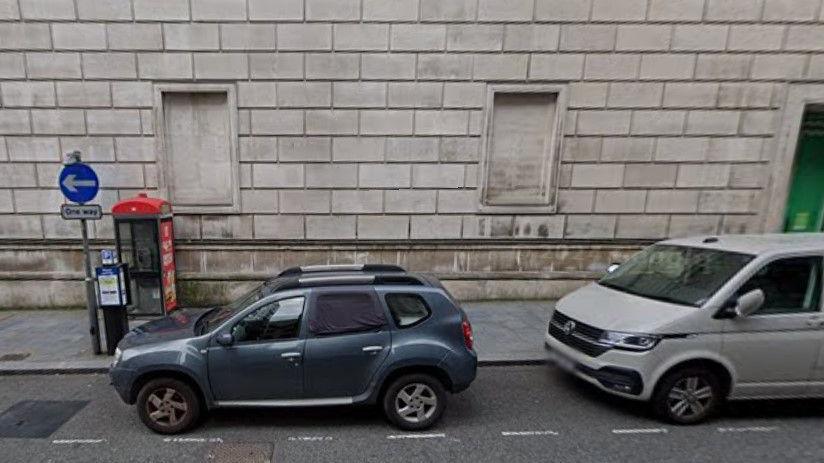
x=360 y=121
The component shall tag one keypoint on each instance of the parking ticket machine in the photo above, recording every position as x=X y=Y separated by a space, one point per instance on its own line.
x=144 y=236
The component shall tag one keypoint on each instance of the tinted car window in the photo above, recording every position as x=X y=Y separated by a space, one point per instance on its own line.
x=336 y=313
x=407 y=309
x=278 y=320
x=789 y=285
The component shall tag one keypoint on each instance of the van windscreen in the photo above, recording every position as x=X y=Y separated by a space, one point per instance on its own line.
x=678 y=274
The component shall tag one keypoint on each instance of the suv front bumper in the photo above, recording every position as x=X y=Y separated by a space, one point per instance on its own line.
x=122 y=379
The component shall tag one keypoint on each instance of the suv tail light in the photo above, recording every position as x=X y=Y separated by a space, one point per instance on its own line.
x=467 y=334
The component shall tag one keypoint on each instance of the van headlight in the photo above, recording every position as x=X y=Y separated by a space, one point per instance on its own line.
x=118 y=354
x=629 y=341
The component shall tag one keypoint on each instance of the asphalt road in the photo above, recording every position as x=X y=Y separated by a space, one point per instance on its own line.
x=512 y=414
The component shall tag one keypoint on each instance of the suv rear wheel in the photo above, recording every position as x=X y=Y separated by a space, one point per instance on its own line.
x=688 y=396
x=168 y=406
x=414 y=402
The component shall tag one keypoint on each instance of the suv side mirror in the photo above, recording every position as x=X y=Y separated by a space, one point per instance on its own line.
x=225 y=339
x=749 y=302
x=612 y=267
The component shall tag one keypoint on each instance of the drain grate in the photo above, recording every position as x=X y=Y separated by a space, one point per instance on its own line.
x=14 y=356
x=240 y=453
x=37 y=418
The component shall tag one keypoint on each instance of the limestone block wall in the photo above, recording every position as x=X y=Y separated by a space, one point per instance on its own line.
x=362 y=120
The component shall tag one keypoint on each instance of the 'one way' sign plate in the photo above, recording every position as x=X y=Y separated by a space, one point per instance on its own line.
x=81 y=211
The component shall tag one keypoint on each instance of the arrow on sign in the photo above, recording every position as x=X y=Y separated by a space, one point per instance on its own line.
x=71 y=183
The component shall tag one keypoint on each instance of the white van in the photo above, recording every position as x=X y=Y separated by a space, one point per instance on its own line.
x=687 y=323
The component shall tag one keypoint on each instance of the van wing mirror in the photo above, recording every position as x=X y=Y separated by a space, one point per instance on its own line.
x=749 y=303
x=612 y=267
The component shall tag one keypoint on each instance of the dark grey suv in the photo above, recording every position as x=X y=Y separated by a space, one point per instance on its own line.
x=312 y=336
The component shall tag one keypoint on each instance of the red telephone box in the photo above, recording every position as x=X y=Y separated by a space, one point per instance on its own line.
x=144 y=235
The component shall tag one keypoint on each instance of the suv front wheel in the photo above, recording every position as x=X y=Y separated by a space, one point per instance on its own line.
x=414 y=402
x=168 y=406
x=687 y=396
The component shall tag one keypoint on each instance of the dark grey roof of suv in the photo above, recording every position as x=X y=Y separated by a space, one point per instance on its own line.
x=341 y=275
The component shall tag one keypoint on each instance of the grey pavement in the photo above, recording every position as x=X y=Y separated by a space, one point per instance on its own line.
x=510 y=413
x=52 y=341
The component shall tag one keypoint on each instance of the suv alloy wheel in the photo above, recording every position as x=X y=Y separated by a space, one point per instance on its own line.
x=168 y=406
x=414 y=402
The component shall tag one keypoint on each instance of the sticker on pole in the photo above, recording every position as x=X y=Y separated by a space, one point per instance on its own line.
x=78 y=182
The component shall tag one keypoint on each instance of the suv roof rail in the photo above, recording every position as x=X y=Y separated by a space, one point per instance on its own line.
x=343 y=280
x=294 y=271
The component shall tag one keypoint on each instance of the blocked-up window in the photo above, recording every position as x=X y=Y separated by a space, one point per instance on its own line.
x=198 y=155
x=522 y=145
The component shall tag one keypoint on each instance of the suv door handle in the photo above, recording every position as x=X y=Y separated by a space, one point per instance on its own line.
x=372 y=349
x=290 y=355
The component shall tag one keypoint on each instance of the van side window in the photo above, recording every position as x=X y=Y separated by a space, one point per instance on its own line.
x=790 y=285
x=407 y=309
x=278 y=320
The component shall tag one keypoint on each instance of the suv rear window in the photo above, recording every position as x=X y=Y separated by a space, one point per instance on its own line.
x=407 y=309
x=345 y=312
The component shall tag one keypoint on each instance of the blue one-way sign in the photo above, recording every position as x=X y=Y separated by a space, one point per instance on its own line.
x=79 y=183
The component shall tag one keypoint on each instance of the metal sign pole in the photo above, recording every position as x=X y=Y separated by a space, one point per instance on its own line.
x=91 y=299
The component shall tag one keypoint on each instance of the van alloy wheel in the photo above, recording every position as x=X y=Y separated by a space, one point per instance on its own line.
x=416 y=402
x=166 y=407
x=690 y=396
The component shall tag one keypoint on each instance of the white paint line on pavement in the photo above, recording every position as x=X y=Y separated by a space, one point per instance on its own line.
x=640 y=431
x=749 y=429
x=78 y=441
x=529 y=433
x=195 y=440
x=310 y=438
x=416 y=436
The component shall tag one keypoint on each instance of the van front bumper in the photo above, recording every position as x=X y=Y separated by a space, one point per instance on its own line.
x=615 y=371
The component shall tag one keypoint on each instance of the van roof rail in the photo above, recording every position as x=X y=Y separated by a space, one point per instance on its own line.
x=370 y=268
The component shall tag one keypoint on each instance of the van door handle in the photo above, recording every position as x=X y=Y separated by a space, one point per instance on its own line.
x=291 y=356
x=815 y=321
x=372 y=349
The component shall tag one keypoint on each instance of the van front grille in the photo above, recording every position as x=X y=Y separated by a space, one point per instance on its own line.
x=582 y=337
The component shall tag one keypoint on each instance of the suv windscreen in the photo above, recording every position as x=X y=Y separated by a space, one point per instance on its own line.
x=678 y=274
x=215 y=317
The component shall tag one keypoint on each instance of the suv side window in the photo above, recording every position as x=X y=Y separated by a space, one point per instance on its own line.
x=791 y=285
x=345 y=312
x=270 y=322
x=407 y=309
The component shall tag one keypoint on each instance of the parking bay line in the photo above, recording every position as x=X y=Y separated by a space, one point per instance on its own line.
x=193 y=440
x=417 y=436
x=78 y=441
x=309 y=438
x=528 y=433
x=640 y=431
x=749 y=429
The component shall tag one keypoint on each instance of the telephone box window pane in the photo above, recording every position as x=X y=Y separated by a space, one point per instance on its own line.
x=520 y=149
x=198 y=149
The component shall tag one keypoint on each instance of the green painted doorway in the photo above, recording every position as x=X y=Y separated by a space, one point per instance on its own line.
x=805 y=205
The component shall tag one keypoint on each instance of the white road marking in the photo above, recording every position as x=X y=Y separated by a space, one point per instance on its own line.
x=749 y=429
x=196 y=440
x=310 y=438
x=416 y=436
x=529 y=433
x=78 y=441
x=640 y=431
